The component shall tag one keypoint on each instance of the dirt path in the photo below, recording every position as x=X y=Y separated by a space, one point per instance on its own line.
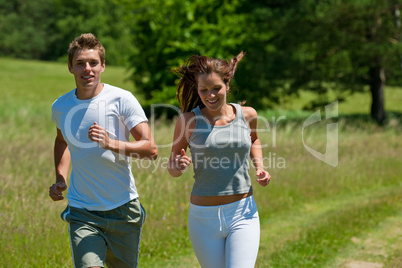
x=380 y=248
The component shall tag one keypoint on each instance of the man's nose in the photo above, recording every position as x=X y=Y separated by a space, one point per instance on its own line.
x=87 y=66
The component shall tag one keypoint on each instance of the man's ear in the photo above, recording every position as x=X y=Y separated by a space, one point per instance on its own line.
x=103 y=66
x=70 y=68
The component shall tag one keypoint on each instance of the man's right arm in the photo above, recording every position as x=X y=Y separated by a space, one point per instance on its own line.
x=62 y=164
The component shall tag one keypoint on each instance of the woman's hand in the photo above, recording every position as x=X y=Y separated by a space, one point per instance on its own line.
x=182 y=161
x=263 y=177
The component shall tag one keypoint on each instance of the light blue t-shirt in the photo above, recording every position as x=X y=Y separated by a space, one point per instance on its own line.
x=100 y=179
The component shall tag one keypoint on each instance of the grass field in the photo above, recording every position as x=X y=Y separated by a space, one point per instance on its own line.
x=312 y=214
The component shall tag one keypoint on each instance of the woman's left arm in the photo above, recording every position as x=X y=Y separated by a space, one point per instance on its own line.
x=263 y=177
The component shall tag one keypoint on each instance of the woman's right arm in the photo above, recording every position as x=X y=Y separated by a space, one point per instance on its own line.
x=178 y=160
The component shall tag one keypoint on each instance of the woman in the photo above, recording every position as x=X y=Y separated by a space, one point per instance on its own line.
x=223 y=218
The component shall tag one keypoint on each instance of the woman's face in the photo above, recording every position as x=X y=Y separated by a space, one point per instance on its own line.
x=212 y=91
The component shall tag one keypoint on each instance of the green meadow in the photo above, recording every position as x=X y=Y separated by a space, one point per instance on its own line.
x=312 y=214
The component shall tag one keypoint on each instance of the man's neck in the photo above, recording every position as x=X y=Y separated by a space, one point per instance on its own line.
x=84 y=93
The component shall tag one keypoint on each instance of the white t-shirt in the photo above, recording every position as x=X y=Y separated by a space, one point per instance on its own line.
x=100 y=179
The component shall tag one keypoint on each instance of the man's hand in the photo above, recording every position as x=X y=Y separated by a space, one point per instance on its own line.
x=55 y=191
x=99 y=134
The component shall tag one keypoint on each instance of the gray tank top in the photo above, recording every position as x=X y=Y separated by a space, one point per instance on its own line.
x=220 y=156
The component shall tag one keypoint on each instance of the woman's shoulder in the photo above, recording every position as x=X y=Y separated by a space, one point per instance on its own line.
x=186 y=119
x=249 y=112
x=187 y=115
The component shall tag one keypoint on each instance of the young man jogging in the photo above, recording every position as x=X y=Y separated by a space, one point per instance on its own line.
x=94 y=122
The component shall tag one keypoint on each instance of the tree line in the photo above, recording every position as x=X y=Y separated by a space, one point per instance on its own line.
x=340 y=45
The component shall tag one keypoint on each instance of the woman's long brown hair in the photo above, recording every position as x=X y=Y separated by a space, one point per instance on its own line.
x=187 y=91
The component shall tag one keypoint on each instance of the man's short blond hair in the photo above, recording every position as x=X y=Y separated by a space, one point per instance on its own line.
x=85 y=41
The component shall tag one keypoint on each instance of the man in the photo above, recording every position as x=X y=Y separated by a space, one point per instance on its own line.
x=94 y=122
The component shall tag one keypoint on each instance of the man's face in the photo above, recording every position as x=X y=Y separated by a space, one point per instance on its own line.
x=86 y=68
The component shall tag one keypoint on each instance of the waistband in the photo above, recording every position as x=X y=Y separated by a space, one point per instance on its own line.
x=229 y=206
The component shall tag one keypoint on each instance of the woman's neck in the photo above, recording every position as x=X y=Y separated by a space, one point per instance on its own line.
x=223 y=116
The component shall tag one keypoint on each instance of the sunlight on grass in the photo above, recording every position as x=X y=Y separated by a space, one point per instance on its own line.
x=358 y=103
x=310 y=213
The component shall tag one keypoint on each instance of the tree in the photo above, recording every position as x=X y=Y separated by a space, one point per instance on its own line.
x=291 y=45
x=103 y=18
x=367 y=35
x=24 y=28
x=43 y=29
x=166 y=33
x=335 y=44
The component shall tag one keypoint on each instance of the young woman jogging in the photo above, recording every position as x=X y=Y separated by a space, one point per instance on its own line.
x=223 y=218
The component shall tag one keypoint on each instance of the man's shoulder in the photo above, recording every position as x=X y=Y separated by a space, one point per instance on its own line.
x=116 y=90
x=114 y=93
x=63 y=99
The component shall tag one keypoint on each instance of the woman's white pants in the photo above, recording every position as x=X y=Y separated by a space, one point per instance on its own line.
x=226 y=235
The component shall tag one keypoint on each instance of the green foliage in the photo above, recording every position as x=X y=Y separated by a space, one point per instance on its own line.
x=24 y=28
x=43 y=29
x=169 y=33
x=290 y=45
x=103 y=18
x=320 y=45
